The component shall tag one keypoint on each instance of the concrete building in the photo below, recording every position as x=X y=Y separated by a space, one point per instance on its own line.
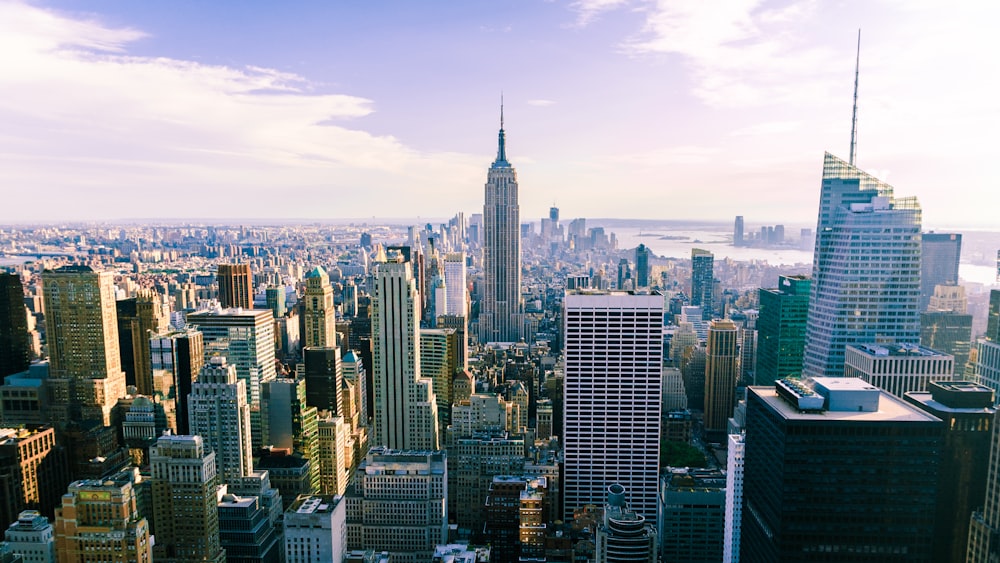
x=185 y=502
x=398 y=503
x=176 y=358
x=613 y=350
x=316 y=529
x=473 y=462
x=439 y=362
x=33 y=471
x=99 y=522
x=138 y=319
x=33 y=537
x=320 y=315
x=898 y=369
x=219 y=413
x=336 y=454
x=235 y=286
x=734 y=499
x=817 y=465
x=85 y=372
x=515 y=519
x=692 y=515
x=623 y=536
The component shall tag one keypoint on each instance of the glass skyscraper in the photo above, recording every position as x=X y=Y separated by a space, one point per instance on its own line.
x=781 y=329
x=866 y=268
x=703 y=281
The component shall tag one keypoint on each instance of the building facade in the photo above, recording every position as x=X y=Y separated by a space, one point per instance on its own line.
x=721 y=376
x=218 y=412
x=235 y=286
x=781 y=329
x=898 y=369
x=703 y=282
x=99 y=522
x=320 y=314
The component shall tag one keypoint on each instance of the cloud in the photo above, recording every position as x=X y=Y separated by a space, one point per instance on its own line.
x=81 y=114
x=541 y=103
x=589 y=10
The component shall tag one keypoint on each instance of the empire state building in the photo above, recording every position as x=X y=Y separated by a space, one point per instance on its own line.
x=501 y=317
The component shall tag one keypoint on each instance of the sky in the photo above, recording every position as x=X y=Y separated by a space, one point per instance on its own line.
x=674 y=110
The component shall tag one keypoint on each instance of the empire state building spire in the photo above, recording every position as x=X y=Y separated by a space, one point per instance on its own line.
x=501 y=160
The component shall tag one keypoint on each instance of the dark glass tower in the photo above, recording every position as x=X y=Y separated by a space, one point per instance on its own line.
x=702 y=281
x=14 y=346
x=324 y=379
x=939 y=256
x=642 y=266
x=781 y=329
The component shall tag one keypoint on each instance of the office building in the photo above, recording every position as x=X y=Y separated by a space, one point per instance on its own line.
x=984 y=526
x=218 y=412
x=613 y=346
x=15 y=346
x=473 y=462
x=235 y=286
x=939 y=256
x=986 y=365
x=967 y=411
x=85 y=373
x=948 y=332
x=185 y=502
x=320 y=314
x=734 y=499
x=398 y=503
x=703 y=282
x=316 y=529
x=692 y=515
x=898 y=369
x=290 y=424
x=33 y=537
x=950 y=298
x=642 y=254
x=139 y=318
x=818 y=463
x=324 y=378
x=275 y=298
x=738 y=231
x=623 y=536
x=781 y=329
x=405 y=406
x=439 y=362
x=99 y=521
x=866 y=268
x=456 y=285
x=721 y=377
x=33 y=471
x=501 y=310
x=336 y=454
x=515 y=518
x=176 y=358
x=246 y=532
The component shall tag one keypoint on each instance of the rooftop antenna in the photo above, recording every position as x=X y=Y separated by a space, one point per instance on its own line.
x=501 y=109
x=854 y=113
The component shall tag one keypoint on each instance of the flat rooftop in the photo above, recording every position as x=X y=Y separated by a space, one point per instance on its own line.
x=890 y=409
x=314 y=504
x=897 y=350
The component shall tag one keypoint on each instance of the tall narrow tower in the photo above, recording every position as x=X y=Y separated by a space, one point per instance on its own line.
x=235 y=286
x=721 y=374
x=320 y=318
x=501 y=318
x=219 y=413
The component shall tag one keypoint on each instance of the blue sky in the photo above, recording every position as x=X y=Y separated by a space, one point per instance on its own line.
x=614 y=108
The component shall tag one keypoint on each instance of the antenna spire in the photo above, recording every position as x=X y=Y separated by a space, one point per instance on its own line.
x=501 y=109
x=854 y=113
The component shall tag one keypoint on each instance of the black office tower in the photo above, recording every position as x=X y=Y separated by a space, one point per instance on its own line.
x=324 y=379
x=14 y=346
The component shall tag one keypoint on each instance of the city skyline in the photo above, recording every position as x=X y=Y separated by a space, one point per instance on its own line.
x=214 y=111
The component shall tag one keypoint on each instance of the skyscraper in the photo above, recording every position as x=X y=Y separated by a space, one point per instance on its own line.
x=721 y=376
x=613 y=355
x=897 y=369
x=85 y=373
x=642 y=266
x=939 y=257
x=866 y=268
x=703 y=282
x=219 y=413
x=738 y=231
x=818 y=464
x=456 y=285
x=14 y=344
x=324 y=378
x=320 y=315
x=134 y=330
x=184 y=500
x=235 y=286
x=500 y=317
x=623 y=536
x=99 y=521
x=984 y=526
x=175 y=360
x=405 y=407
x=781 y=329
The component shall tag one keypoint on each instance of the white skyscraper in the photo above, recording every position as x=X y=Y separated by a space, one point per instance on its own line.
x=405 y=407
x=218 y=412
x=613 y=357
x=866 y=268
x=456 y=285
x=734 y=500
x=500 y=317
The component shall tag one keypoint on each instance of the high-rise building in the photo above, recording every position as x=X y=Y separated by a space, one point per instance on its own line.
x=456 y=285
x=738 y=231
x=866 y=268
x=218 y=412
x=290 y=424
x=398 y=503
x=15 y=346
x=734 y=499
x=439 y=362
x=515 y=518
x=85 y=373
x=139 y=318
x=703 y=282
x=320 y=314
x=949 y=332
x=623 y=535
x=336 y=454
x=781 y=329
x=405 y=405
x=501 y=311
x=246 y=532
x=939 y=257
x=246 y=339
x=692 y=515
x=967 y=411
x=33 y=537
x=324 y=378
x=721 y=376
x=898 y=369
x=33 y=471
x=99 y=521
x=235 y=286
x=185 y=508
x=818 y=463
x=316 y=529
x=473 y=462
x=176 y=359
x=642 y=254
x=613 y=346
x=984 y=526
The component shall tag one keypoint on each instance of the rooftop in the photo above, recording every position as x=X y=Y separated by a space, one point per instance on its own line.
x=306 y=504
x=890 y=409
x=896 y=350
